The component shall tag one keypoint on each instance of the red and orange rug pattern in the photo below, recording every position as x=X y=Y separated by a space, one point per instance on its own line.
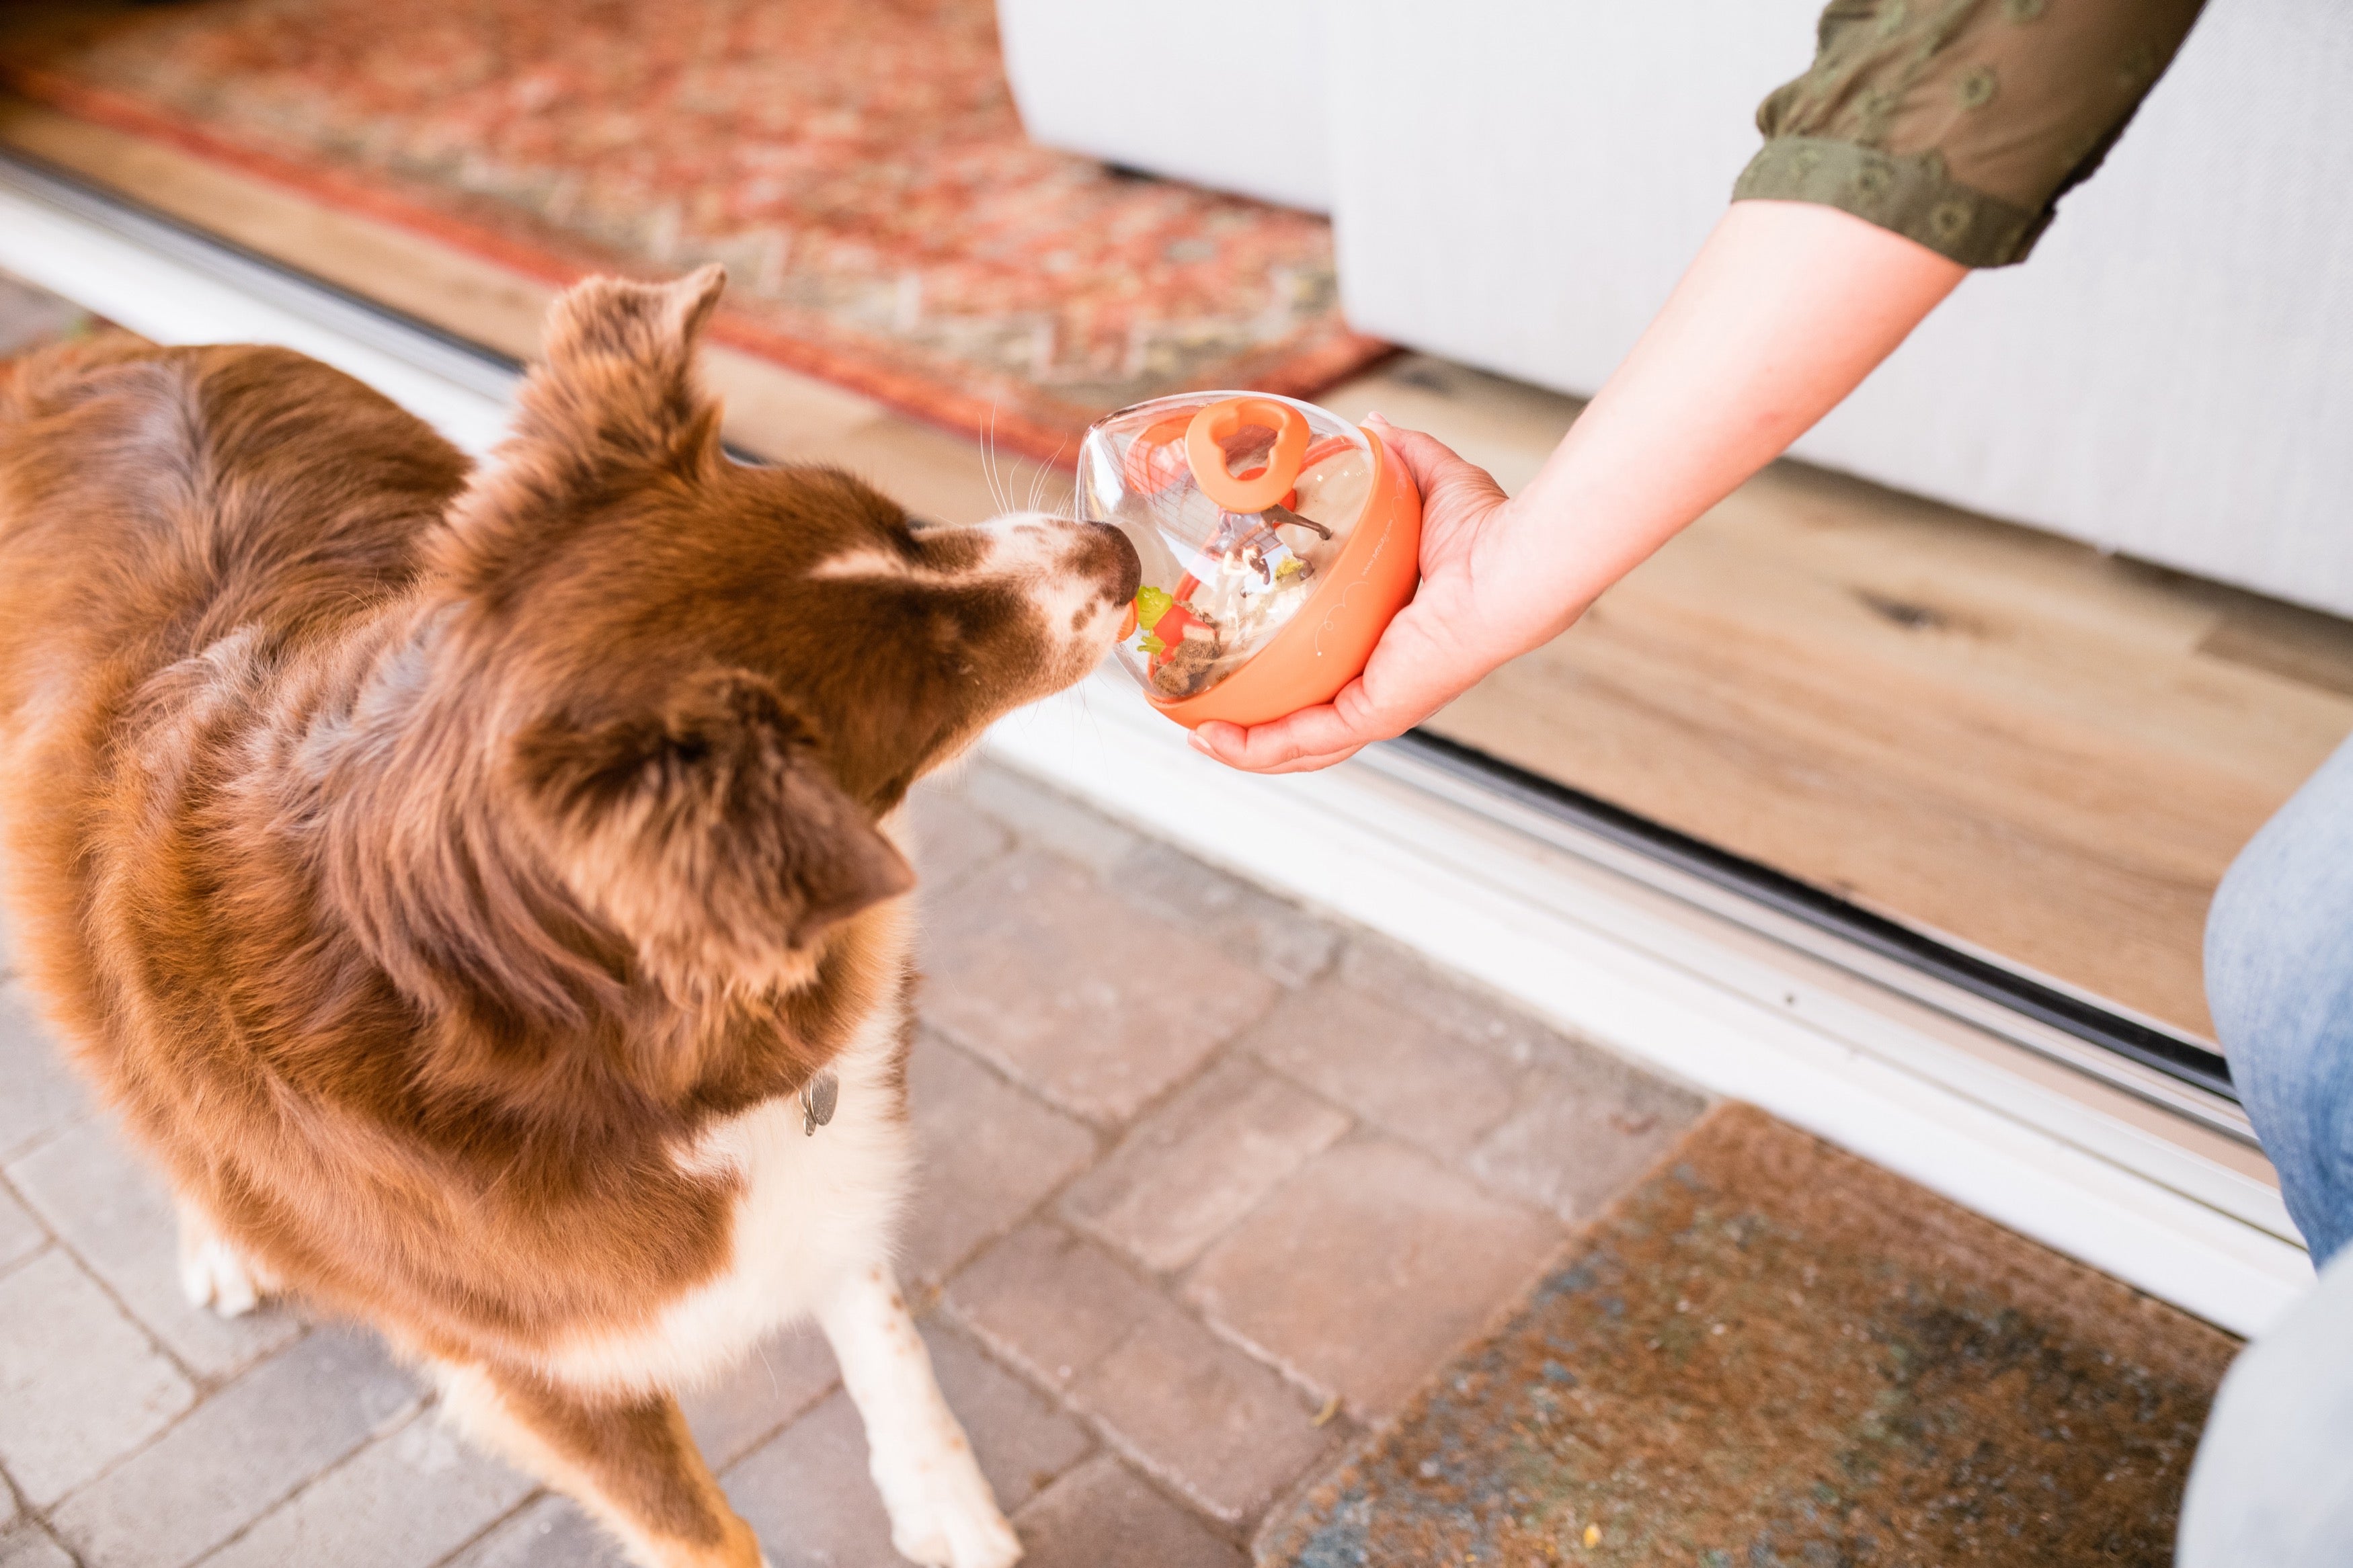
x=858 y=164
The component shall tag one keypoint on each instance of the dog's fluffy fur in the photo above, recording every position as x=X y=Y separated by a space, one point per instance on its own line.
x=453 y=879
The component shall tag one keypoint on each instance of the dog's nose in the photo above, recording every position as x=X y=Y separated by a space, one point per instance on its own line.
x=1126 y=567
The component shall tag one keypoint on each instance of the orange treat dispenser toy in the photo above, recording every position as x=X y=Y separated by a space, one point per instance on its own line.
x=1277 y=542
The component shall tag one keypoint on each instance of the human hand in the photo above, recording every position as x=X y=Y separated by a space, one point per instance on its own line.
x=1453 y=632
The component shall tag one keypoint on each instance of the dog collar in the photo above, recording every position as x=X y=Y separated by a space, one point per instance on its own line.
x=819 y=1097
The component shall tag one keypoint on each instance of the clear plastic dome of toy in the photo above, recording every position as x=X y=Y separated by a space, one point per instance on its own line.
x=1223 y=573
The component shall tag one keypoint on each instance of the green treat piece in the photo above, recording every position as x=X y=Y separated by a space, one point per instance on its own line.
x=1151 y=604
x=1152 y=644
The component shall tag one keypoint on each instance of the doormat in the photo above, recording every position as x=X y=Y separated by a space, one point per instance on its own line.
x=858 y=165
x=1772 y=1354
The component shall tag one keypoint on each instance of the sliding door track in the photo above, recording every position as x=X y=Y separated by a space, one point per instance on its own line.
x=2140 y=1055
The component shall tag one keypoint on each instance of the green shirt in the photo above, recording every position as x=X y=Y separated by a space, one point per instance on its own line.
x=1960 y=123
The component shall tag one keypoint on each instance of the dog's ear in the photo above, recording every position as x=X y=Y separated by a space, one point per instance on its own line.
x=620 y=366
x=615 y=404
x=707 y=832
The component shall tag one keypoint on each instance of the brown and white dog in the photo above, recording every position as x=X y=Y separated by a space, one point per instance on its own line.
x=468 y=885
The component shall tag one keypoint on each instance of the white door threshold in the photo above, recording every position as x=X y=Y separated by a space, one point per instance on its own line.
x=2159 y=1202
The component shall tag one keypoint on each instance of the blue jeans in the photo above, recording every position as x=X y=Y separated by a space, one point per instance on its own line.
x=2273 y=1484
x=2279 y=976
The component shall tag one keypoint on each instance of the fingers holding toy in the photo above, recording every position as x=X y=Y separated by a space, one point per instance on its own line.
x=1419 y=666
x=1300 y=742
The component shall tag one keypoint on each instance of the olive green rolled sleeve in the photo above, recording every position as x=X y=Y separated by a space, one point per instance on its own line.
x=1960 y=123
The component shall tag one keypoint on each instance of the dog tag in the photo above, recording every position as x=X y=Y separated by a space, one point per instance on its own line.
x=819 y=1097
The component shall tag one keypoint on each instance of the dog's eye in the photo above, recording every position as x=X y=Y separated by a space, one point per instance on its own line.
x=921 y=524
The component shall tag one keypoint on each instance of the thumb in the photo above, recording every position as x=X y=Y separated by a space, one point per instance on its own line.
x=1428 y=460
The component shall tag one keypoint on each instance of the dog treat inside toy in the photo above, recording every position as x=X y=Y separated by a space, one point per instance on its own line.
x=1239 y=507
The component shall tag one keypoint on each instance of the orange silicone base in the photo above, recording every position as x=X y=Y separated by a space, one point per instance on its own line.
x=1326 y=644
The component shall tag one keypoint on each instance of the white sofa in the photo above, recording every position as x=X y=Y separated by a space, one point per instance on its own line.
x=1516 y=183
x=1224 y=93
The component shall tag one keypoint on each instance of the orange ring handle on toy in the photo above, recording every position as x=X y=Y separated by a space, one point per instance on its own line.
x=1204 y=450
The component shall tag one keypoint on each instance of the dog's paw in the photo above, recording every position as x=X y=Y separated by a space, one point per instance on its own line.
x=943 y=1515
x=214 y=1274
x=974 y=1542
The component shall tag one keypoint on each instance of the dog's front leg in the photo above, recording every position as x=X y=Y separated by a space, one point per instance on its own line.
x=942 y=1513
x=213 y=1271
x=629 y=1460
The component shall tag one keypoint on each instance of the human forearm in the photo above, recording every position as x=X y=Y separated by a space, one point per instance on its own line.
x=1785 y=310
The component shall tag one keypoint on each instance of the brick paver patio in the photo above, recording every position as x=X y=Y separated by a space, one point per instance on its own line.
x=1211 y=1183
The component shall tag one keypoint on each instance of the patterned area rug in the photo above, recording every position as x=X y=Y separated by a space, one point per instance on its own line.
x=857 y=163
x=1774 y=1355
